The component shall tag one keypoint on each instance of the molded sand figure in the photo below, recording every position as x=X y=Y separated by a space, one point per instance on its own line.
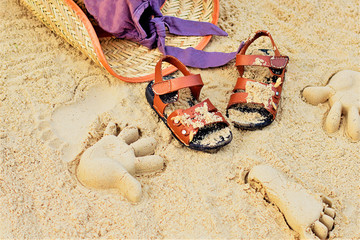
x=113 y=161
x=343 y=94
x=308 y=214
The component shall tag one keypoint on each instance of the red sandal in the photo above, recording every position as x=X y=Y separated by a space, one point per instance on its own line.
x=253 y=104
x=197 y=125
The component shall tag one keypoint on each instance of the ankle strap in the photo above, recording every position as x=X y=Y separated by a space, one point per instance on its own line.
x=276 y=61
x=173 y=61
x=189 y=80
x=258 y=34
x=161 y=87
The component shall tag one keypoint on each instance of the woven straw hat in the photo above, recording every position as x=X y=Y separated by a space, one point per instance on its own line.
x=124 y=59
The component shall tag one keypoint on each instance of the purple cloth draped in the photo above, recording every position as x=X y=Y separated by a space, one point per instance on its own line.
x=141 y=21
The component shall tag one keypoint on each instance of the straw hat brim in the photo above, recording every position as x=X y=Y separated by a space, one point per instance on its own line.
x=124 y=59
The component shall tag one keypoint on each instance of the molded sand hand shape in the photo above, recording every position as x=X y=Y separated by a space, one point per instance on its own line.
x=306 y=213
x=343 y=94
x=113 y=160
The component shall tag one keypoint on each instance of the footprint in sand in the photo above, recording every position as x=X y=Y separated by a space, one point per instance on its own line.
x=86 y=130
x=308 y=214
x=115 y=158
x=68 y=128
x=343 y=93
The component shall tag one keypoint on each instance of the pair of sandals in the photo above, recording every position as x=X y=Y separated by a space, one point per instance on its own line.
x=199 y=125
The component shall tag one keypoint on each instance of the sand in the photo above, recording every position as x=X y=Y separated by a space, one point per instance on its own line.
x=54 y=100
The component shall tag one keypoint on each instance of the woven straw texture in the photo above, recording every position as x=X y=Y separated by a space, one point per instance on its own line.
x=126 y=58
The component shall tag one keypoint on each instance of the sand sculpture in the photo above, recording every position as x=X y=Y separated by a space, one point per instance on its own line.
x=86 y=130
x=343 y=94
x=306 y=213
x=113 y=161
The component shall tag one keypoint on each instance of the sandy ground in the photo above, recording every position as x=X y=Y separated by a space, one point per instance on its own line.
x=47 y=87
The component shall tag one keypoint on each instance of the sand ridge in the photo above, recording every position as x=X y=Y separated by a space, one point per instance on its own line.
x=198 y=195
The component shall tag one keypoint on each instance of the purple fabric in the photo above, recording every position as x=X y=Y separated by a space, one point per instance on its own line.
x=200 y=59
x=141 y=21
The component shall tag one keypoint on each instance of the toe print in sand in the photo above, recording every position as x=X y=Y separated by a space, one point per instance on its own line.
x=113 y=161
x=108 y=151
x=343 y=94
x=308 y=214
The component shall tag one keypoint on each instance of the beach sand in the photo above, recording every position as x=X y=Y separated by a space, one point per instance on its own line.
x=55 y=102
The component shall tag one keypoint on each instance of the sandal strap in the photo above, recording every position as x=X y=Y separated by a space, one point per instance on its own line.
x=176 y=84
x=258 y=34
x=241 y=97
x=161 y=86
x=241 y=83
x=238 y=97
x=185 y=132
x=277 y=62
x=195 y=90
x=173 y=61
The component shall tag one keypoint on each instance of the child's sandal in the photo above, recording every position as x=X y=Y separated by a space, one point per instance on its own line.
x=253 y=104
x=198 y=125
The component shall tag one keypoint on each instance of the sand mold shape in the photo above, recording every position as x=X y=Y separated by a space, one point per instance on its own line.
x=113 y=161
x=308 y=214
x=85 y=131
x=343 y=94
